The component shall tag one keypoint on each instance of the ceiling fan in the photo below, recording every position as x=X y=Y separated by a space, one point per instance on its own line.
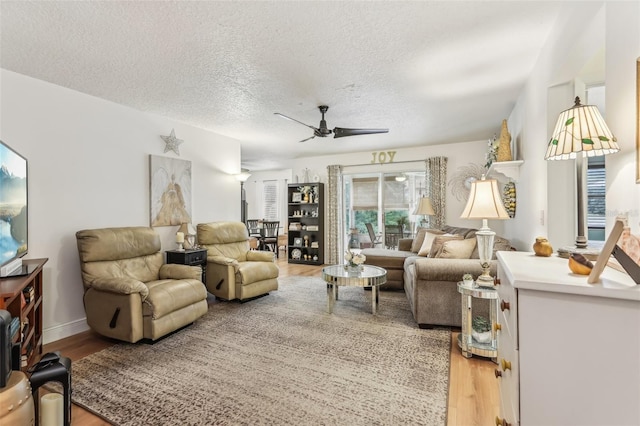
x=338 y=132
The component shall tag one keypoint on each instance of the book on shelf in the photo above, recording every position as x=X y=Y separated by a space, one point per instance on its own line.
x=27 y=351
x=29 y=294
x=14 y=327
x=295 y=226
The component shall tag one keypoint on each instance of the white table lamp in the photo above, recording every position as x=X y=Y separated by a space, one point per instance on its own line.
x=485 y=203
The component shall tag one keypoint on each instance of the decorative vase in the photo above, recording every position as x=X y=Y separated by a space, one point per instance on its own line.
x=354 y=241
x=353 y=270
x=542 y=247
x=504 y=147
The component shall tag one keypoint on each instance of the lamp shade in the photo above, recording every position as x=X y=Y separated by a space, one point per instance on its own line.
x=242 y=176
x=580 y=129
x=424 y=207
x=484 y=201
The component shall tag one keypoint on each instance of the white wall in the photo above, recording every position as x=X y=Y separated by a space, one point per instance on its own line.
x=89 y=168
x=566 y=53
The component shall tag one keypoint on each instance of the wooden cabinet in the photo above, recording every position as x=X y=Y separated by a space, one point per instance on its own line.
x=190 y=257
x=305 y=237
x=22 y=298
x=568 y=351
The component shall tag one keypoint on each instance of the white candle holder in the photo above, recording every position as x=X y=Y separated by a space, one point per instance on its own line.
x=180 y=247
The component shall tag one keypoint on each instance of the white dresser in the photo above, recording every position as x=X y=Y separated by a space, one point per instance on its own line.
x=568 y=351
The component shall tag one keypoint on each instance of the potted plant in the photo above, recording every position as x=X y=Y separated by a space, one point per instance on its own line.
x=354 y=261
x=467 y=279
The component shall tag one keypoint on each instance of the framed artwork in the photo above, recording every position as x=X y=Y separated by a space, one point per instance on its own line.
x=296 y=197
x=297 y=242
x=625 y=247
x=170 y=191
x=638 y=120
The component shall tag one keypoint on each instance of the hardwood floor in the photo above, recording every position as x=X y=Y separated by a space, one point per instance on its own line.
x=473 y=389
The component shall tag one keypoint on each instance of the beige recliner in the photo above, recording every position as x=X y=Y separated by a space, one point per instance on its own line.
x=129 y=293
x=234 y=271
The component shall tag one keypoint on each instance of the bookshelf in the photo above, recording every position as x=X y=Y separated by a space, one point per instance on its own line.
x=22 y=298
x=305 y=237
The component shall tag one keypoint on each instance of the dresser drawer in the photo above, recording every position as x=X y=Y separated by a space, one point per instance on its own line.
x=508 y=371
x=508 y=308
x=196 y=257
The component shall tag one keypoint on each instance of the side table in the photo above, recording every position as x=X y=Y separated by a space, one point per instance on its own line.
x=191 y=257
x=467 y=343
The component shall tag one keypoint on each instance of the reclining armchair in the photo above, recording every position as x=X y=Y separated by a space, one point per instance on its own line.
x=233 y=270
x=129 y=293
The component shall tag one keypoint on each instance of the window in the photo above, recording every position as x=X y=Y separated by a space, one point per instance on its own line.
x=596 y=187
x=270 y=200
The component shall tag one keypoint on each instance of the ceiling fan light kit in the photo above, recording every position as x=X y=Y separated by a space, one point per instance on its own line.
x=338 y=132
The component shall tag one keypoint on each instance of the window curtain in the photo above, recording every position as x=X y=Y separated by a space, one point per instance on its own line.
x=436 y=184
x=334 y=215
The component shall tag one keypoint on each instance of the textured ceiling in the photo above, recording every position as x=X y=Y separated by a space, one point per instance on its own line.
x=431 y=71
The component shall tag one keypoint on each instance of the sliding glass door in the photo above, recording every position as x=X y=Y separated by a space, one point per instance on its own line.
x=379 y=207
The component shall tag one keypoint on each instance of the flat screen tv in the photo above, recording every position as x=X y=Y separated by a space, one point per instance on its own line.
x=13 y=209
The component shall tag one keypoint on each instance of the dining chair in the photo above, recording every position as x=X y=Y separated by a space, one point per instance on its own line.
x=253 y=226
x=269 y=237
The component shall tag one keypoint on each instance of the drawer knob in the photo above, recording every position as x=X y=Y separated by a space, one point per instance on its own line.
x=504 y=306
x=496 y=281
x=506 y=365
x=497 y=326
x=498 y=373
x=502 y=422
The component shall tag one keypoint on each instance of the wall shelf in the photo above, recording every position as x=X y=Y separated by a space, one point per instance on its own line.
x=505 y=170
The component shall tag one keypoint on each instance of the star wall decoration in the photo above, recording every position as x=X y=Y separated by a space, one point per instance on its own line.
x=172 y=143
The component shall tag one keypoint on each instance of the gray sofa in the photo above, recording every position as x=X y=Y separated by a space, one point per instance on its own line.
x=431 y=283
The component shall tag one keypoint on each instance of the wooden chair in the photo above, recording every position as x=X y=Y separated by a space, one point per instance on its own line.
x=269 y=238
x=253 y=226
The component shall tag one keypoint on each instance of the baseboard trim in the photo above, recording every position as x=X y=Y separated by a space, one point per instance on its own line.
x=61 y=331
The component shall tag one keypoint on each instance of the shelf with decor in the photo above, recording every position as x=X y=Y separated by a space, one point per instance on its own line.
x=21 y=296
x=305 y=212
x=505 y=170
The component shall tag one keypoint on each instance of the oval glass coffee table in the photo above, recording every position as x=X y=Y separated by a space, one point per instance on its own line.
x=369 y=276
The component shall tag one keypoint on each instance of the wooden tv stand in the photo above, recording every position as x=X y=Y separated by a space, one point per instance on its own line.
x=13 y=301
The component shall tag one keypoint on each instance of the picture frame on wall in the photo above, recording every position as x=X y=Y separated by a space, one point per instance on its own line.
x=170 y=191
x=296 y=197
x=624 y=247
x=638 y=120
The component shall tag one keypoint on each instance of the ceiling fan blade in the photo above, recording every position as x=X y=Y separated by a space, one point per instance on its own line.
x=293 y=119
x=304 y=140
x=339 y=132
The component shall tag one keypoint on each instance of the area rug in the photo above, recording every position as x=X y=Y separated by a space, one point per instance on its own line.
x=277 y=360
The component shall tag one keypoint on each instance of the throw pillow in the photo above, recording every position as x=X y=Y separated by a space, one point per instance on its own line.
x=429 y=236
x=457 y=249
x=418 y=240
x=439 y=240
